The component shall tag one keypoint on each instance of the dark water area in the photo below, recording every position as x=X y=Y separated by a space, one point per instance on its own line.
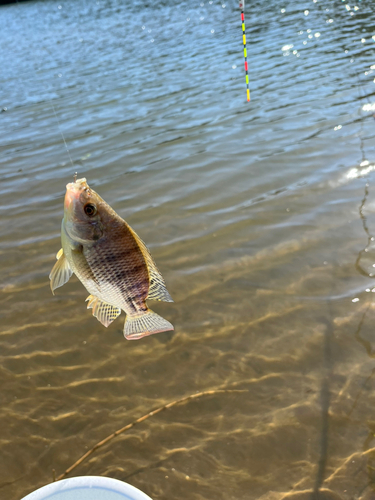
x=260 y=215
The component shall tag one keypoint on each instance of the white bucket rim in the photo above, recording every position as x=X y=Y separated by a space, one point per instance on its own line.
x=88 y=482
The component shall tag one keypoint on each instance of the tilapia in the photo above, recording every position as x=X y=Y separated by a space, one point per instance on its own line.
x=111 y=261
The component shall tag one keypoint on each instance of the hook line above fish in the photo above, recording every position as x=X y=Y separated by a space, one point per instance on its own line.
x=111 y=261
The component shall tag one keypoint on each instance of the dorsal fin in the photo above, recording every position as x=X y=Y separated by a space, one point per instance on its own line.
x=158 y=289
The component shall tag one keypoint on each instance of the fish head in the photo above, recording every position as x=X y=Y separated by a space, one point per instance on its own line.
x=83 y=212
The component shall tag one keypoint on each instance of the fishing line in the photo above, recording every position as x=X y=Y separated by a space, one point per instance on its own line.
x=62 y=135
x=361 y=270
x=364 y=162
x=54 y=110
x=370 y=237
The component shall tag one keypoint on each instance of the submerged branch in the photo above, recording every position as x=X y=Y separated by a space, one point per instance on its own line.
x=142 y=419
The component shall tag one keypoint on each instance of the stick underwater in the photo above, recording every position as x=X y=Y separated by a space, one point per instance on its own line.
x=141 y=419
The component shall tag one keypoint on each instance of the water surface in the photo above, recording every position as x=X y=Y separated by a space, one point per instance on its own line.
x=260 y=216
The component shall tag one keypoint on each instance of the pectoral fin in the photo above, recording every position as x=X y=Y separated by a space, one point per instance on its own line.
x=103 y=312
x=61 y=272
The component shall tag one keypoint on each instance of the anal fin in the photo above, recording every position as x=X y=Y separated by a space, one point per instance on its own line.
x=103 y=312
x=61 y=271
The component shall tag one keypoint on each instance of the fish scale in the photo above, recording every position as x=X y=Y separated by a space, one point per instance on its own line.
x=111 y=261
x=112 y=271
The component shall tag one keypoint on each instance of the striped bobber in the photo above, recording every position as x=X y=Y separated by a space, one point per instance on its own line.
x=242 y=8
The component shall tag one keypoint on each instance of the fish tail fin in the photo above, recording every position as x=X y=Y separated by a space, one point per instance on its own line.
x=137 y=327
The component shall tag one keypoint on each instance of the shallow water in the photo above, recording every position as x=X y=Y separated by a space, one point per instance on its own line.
x=260 y=216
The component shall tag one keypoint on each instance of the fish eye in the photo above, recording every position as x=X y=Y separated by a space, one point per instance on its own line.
x=90 y=209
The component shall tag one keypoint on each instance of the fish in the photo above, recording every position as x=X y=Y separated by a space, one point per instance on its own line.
x=111 y=261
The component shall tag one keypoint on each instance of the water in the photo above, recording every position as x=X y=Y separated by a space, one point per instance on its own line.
x=260 y=216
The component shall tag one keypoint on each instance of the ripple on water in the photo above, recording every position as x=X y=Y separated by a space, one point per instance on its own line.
x=259 y=216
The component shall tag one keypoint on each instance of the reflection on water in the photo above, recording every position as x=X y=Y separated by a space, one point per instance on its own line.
x=260 y=216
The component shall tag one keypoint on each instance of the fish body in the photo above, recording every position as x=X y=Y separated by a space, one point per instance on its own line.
x=111 y=261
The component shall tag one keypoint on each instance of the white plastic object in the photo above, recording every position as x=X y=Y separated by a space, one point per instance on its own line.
x=242 y=4
x=88 y=488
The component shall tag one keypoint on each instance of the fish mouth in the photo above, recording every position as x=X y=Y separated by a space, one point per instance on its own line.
x=74 y=190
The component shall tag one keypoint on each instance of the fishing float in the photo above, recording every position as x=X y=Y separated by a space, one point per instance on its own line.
x=242 y=8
